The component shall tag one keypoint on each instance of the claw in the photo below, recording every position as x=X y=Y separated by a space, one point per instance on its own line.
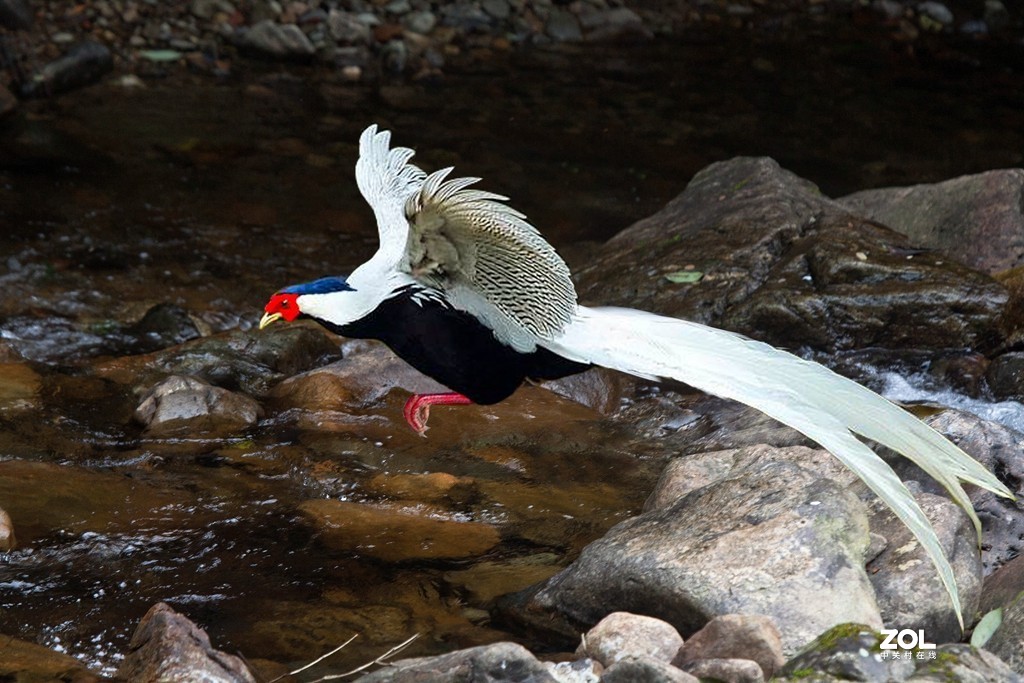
x=417 y=408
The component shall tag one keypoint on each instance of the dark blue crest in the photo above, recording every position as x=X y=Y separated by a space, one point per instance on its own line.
x=324 y=285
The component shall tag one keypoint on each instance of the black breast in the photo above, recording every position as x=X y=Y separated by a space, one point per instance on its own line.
x=454 y=348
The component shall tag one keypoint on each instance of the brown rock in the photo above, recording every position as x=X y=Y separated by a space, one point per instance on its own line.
x=736 y=636
x=429 y=487
x=29 y=662
x=166 y=646
x=7 y=540
x=392 y=534
x=19 y=385
x=622 y=634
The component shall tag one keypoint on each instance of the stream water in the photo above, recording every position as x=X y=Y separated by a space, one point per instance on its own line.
x=211 y=196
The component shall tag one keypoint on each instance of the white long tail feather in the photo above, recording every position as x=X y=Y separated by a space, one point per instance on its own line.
x=805 y=395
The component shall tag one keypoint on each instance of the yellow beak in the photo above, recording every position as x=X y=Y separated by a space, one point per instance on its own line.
x=269 y=318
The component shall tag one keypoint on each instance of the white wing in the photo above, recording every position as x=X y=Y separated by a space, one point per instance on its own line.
x=484 y=255
x=807 y=396
x=386 y=180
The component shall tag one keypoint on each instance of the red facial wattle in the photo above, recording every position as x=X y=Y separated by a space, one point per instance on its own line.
x=284 y=304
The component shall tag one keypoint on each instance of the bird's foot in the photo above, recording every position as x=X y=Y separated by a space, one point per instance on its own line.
x=417 y=408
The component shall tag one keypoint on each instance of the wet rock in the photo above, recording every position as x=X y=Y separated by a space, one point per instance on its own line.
x=736 y=636
x=429 y=487
x=252 y=361
x=998 y=448
x=185 y=405
x=975 y=219
x=621 y=634
x=7 y=540
x=368 y=371
x=166 y=646
x=772 y=538
x=75 y=499
x=960 y=662
x=497 y=663
x=393 y=534
x=19 y=386
x=83 y=64
x=598 y=388
x=499 y=9
x=485 y=581
x=643 y=669
x=784 y=264
x=162 y=325
x=847 y=652
x=908 y=592
x=1005 y=376
x=24 y=661
x=278 y=40
x=726 y=670
x=16 y=15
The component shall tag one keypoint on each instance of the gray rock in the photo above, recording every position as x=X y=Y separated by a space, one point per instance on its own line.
x=83 y=64
x=498 y=9
x=162 y=325
x=497 y=663
x=346 y=28
x=908 y=592
x=576 y=671
x=622 y=634
x=691 y=472
x=278 y=40
x=16 y=15
x=726 y=670
x=422 y=22
x=614 y=24
x=995 y=15
x=1001 y=450
x=186 y=404
x=848 y=652
x=975 y=219
x=772 y=538
x=563 y=26
x=935 y=11
x=642 y=669
x=965 y=664
x=736 y=636
x=166 y=646
x=205 y=9
x=1006 y=592
x=787 y=265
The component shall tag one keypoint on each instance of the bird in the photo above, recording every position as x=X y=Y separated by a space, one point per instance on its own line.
x=466 y=290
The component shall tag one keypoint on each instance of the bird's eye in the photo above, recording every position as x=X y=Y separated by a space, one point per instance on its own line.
x=284 y=304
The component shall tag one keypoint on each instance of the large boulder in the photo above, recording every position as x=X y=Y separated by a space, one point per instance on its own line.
x=771 y=537
x=751 y=247
x=975 y=219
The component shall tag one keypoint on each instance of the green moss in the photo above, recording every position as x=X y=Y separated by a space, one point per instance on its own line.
x=830 y=638
x=799 y=674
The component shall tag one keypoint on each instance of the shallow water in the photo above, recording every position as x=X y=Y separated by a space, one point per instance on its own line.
x=211 y=196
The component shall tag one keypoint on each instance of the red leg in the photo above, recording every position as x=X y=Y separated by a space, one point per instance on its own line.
x=417 y=408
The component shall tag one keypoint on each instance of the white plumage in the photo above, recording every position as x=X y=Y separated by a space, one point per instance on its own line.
x=486 y=259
